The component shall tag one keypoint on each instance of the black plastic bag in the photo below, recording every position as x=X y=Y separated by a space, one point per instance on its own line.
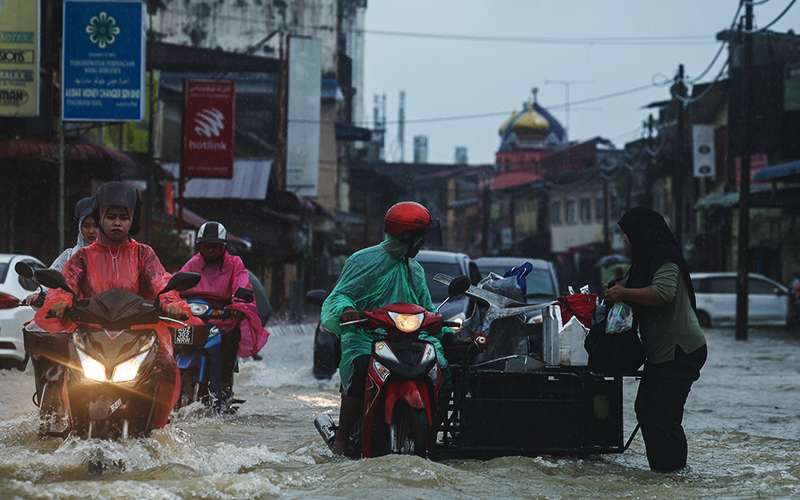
x=613 y=353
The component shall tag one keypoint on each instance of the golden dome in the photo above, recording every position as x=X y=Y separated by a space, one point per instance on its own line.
x=531 y=123
x=507 y=122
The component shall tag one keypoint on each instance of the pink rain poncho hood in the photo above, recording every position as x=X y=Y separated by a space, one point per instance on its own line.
x=224 y=277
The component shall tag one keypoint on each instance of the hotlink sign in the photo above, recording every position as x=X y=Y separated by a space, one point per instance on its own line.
x=103 y=61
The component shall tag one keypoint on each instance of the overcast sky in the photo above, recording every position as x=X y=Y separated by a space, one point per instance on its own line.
x=466 y=70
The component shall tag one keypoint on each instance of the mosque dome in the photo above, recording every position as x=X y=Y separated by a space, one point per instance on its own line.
x=507 y=123
x=534 y=128
x=531 y=124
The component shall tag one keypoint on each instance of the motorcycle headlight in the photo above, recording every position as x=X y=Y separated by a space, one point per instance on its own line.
x=381 y=370
x=407 y=323
x=92 y=369
x=127 y=370
x=198 y=309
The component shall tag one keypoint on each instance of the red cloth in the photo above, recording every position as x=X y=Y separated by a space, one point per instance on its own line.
x=131 y=266
x=224 y=278
x=580 y=305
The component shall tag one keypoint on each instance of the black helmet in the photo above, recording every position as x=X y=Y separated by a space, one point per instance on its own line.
x=118 y=194
x=83 y=208
x=212 y=232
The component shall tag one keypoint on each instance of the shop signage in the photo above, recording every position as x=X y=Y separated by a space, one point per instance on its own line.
x=19 y=64
x=208 y=122
x=103 y=61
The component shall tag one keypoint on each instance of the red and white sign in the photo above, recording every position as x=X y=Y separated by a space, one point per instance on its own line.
x=757 y=162
x=208 y=128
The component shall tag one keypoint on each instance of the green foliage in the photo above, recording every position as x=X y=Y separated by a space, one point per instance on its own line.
x=170 y=248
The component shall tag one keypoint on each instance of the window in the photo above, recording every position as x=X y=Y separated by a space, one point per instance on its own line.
x=571 y=215
x=723 y=285
x=599 y=208
x=508 y=166
x=586 y=210
x=555 y=213
x=761 y=287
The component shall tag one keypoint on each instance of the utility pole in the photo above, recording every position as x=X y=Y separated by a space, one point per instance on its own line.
x=566 y=84
x=679 y=90
x=744 y=178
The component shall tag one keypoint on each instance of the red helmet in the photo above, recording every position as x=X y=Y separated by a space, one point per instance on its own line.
x=406 y=216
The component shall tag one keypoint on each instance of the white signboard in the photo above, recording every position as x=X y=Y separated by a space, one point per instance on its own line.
x=302 y=134
x=703 y=150
x=19 y=58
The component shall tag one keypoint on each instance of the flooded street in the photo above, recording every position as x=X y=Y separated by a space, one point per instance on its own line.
x=742 y=421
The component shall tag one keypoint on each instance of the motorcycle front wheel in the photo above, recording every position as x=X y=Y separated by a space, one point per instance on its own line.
x=409 y=431
x=189 y=389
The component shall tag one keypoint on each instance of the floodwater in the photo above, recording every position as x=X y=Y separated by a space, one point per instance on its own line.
x=742 y=421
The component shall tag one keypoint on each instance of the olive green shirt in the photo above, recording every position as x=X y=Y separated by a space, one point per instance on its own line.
x=672 y=323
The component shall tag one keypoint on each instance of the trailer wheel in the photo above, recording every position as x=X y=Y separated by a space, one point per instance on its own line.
x=409 y=431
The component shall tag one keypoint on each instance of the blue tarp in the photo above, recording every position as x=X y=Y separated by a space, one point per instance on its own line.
x=784 y=172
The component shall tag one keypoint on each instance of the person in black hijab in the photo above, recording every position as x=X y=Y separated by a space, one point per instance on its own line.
x=661 y=295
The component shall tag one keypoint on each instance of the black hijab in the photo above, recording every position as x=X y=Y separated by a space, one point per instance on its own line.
x=652 y=246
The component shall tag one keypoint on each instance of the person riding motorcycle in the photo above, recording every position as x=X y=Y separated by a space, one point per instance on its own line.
x=223 y=273
x=374 y=277
x=87 y=233
x=115 y=260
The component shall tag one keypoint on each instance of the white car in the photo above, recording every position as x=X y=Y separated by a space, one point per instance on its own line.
x=13 y=289
x=768 y=300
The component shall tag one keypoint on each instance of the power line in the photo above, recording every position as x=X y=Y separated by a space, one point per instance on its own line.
x=651 y=40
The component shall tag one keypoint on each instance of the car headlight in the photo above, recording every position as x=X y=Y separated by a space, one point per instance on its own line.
x=198 y=309
x=407 y=323
x=92 y=369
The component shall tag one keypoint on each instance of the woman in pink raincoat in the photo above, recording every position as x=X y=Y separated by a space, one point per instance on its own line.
x=222 y=273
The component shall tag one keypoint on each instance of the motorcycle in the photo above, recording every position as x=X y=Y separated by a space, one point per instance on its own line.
x=107 y=379
x=198 y=350
x=403 y=382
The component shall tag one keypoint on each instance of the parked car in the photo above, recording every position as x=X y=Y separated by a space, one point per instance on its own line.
x=13 y=289
x=327 y=351
x=542 y=282
x=768 y=300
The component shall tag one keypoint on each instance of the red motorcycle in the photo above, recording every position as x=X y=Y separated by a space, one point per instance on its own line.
x=403 y=382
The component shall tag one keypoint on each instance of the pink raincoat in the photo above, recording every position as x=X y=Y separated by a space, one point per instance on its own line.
x=224 y=277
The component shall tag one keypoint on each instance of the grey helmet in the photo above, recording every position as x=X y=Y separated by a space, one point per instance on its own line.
x=83 y=208
x=118 y=194
x=212 y=232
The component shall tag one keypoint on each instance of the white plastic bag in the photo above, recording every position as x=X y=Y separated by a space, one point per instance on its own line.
x=620 y=318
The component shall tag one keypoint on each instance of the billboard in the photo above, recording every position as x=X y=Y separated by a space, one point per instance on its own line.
x=103 y=61
x=19 y=58
x=208 y=123
x=302 y=134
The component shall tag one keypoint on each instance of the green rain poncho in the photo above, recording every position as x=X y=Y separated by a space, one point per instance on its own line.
x=372 y=278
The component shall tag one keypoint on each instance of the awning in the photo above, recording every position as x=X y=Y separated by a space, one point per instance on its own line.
x=28 y=148
x=346 y=132
x=771 y=198
x=786 y=172
x=249 y=182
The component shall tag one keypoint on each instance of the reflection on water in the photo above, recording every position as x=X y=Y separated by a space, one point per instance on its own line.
x=742 y=421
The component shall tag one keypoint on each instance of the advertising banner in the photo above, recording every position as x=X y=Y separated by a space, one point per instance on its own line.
x=703 y=151
x=103 y=61
x=302 y=134
x=19 y=58
x=208 y=122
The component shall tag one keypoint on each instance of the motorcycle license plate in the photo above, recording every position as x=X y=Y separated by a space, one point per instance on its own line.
x=184 y=336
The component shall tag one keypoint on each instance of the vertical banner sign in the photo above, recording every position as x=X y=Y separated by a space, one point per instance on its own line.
x=19 y=57
x=103 y=61
x=208 y=122
x=302 y=134
x=703 y=150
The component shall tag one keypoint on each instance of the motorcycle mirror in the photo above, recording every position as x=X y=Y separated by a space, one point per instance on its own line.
x=181 y=282
x=24 y=270
x=316 y=297
x=458 y=286
x=244 y=294
x=52 y=279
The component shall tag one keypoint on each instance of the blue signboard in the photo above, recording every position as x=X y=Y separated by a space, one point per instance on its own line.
x=103 y=61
